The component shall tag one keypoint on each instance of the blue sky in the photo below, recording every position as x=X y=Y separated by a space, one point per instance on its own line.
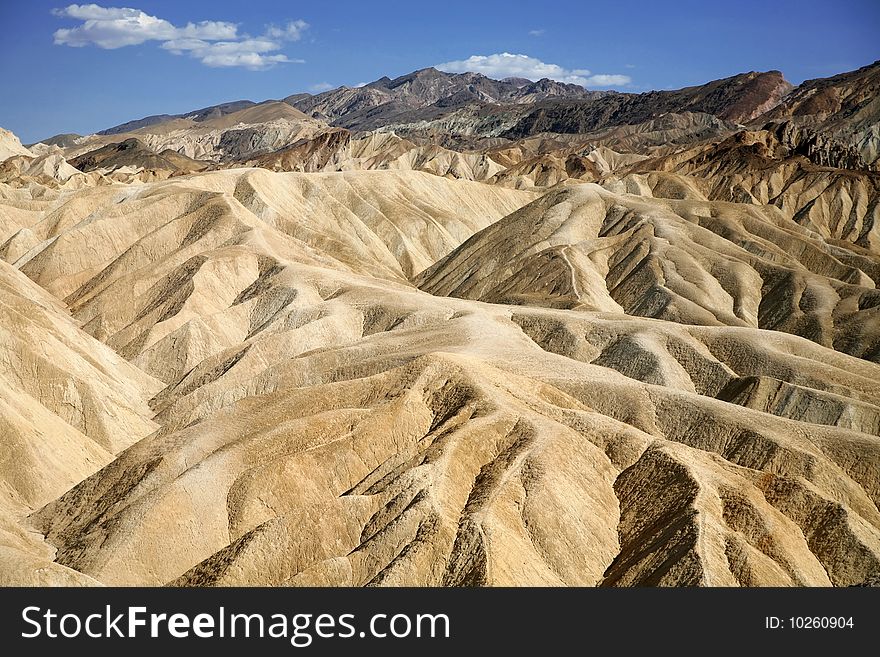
x=83 y=68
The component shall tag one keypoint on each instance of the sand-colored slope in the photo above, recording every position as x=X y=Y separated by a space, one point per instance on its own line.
x=691 y=262
x=67 y=405
x=455 y=449
x=355 y=365
x=49 y=168
x=261 y=113
x=174 y=265
x=10 y=146
x=324 y=421
x=338 y=150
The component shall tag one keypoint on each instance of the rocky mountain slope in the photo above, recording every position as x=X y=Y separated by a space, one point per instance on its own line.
x=757 y=167
x=835 y=119
x=737 y=99
x=422 y=93
x=846 y=107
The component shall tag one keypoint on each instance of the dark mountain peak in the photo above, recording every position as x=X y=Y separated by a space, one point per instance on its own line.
x=865 y=72
x=469 y=75
x=382 y=82
x=427 y=94
x=739 y=98
x=293 y=99
x=767 y=77
x=422 y=75
x=546 y=84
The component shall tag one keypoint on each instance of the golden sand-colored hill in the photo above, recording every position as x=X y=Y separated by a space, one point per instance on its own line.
x=257 y=391
x=685 y=261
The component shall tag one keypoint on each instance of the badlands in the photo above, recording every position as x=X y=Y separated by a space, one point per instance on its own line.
x=445 y=330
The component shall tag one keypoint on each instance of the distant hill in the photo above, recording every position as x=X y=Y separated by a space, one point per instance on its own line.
x=134 y=153
x=203 y=114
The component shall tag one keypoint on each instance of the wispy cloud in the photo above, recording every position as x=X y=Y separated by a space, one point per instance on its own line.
x=293 y=31
x=214 y=43
x=321 y=86
x=505 y=65
x=537 y=33
x=608 y=80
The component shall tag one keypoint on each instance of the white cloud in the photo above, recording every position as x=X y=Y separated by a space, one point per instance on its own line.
x=111 y=27
x=506 y=65
x=93 y=12
x=608 y=80
x=321 y=86
x=214 y=43
x=209 y=30
x=293 y=31
x=249 y=53
x=536 y=33
x=179 y=46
